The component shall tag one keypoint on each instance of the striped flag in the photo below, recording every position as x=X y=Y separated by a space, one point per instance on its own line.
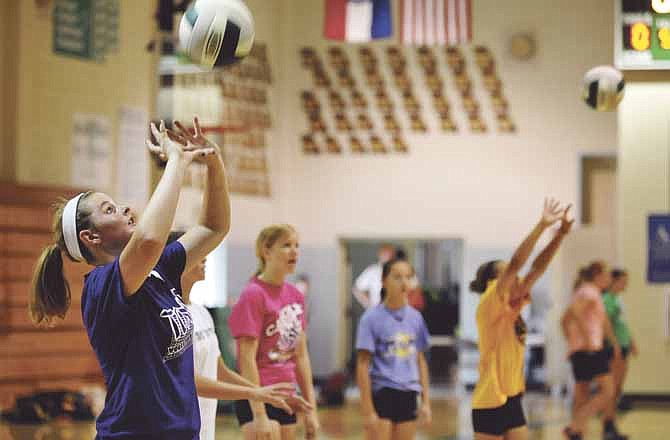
x=358 y=21
x=435 y=22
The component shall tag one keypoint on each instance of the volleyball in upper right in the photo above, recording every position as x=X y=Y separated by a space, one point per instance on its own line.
x=603 y=88
x=216 y=33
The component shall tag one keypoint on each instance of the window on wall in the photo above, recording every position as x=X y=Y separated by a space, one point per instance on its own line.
x=599 y=191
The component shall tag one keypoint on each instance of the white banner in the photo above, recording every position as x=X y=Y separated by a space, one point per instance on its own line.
x=91 y=151
x=132 y=166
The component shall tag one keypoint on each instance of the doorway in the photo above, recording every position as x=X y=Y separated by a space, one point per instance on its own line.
x=599 y=191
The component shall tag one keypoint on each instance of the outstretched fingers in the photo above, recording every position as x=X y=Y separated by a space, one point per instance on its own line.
x=177 y=137
x=153 y=149
x=566 y=222
x=156 y=150
x=566 y=211
x=553 y=206
x=155 y=132
x=185 y=132
x=196 y=125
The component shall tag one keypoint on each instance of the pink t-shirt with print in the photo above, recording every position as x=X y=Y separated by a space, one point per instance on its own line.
x=593 y=321
x=276 y=317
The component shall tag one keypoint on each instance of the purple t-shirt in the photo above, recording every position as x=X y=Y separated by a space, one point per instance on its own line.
x=144 y=346
x=276 y=317
x=394 y=337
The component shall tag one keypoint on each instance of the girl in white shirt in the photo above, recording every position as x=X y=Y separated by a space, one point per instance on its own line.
x=213 y=379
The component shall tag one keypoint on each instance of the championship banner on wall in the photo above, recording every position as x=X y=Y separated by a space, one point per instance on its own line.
x=658 y=264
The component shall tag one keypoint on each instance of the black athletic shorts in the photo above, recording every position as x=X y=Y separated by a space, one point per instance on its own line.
x=245 y=415
x=609 y=352
x=497 y=421
x=587 y=365
x=395 y=405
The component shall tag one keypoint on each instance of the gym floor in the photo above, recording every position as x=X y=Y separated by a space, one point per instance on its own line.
x=546 y=418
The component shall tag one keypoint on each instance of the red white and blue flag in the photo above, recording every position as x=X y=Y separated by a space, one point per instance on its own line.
x=358 y=21
x=435 y=22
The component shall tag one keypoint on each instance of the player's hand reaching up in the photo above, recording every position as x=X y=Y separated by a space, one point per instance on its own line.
x=551 y=212
x=566 y=223
x=171 y=146
x=198 y=140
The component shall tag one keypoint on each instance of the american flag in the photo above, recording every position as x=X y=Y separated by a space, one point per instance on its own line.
x=435 y=22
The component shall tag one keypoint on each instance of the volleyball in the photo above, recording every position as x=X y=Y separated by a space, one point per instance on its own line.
x=216 y=33
x=603 y=88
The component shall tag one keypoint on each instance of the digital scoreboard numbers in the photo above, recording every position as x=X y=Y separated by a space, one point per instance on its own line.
x=642 y=32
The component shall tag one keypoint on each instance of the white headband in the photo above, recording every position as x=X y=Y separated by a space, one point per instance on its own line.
x=69 y=222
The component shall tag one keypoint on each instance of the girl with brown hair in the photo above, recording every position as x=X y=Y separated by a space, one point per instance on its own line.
x=585 y=326
x=497 y=412
x=131 y=305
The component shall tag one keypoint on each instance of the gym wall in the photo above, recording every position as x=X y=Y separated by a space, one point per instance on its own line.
x=51 y=88
x=486 y=189
x=8 y=72
x=644 y=144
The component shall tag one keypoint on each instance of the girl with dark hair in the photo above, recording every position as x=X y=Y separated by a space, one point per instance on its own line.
x=585 y=325
x=269 y=323
x=131 y=305
x=391 y=367
x=496 y=403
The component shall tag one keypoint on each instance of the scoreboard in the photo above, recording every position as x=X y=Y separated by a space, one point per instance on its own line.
x=642 y=34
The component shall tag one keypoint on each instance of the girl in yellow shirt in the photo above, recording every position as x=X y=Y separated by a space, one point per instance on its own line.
x=496 y=404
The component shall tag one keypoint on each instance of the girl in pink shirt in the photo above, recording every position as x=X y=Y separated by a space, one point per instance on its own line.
x=586 y=332
x=585 y=325
x=269 y=323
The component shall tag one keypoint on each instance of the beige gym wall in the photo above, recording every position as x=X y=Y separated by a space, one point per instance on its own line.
x=8 y=77
x=52 y=88
x=251 y=213
x=644 y=155
x=487 y=189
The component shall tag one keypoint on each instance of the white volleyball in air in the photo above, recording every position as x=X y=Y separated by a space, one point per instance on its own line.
x=603 y=88
x=215 y=33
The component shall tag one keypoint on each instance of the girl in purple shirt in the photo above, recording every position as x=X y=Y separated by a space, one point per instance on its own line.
x=137 y=323
x=391 y=366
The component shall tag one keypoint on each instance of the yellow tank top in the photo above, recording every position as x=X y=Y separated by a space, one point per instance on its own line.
x=502 y=339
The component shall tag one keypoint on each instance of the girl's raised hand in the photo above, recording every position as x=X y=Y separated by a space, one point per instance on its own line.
x=551 y=212
x=198 y=140
x=172 y=145
x=566 y=223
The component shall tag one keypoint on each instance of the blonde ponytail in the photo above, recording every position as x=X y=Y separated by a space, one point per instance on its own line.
x=50 y=294
x=50 y=291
